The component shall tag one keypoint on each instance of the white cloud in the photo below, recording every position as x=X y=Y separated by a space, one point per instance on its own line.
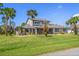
x=75 y=15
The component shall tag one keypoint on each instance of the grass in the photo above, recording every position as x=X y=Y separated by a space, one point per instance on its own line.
x=35 y=45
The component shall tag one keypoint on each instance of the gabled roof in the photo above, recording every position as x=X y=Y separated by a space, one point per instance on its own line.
x=27 y=20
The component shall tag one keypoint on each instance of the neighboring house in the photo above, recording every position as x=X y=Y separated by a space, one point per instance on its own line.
x=78 y=28
x=71 y=30
x=35 y=26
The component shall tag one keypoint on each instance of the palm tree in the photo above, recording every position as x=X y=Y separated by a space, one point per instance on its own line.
x=45 y=28
x=12 y=24
x=3 y=20
x=12 y=14
x=4 y=23
x=2 y=29
x=32 y=13
x=1 y=5
x=12 y=27
x=8 y=14
x=23 y=24
x=5 y=17
x=73 y=21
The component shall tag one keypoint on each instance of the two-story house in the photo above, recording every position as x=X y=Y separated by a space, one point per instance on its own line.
x=36 y=25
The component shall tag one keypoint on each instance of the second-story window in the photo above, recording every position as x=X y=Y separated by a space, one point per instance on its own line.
x=36 y=23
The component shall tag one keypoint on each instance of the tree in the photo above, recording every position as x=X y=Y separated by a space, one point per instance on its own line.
x=4 y=24
x=23 y=24
x=45 y=28
x=23 y=32
x=2 y=29
x=12 y=24
x=73 y=21
x=3 y=20
x=12 y=14
x=12 y=27
x=8 y=14
x=1 y=5
x=32 y=13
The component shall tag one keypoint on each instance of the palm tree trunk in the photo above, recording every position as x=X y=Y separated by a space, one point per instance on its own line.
x=46 y=34
x=6 y=27
x=10 y=23
x=6 y=33
x=75 y=29
x=10 y=27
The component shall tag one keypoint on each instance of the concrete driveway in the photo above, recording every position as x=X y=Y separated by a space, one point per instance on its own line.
x=68 y=52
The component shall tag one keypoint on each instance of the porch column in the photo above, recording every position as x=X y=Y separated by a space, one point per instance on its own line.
x=53 y=30
x=61 y=30
x=29 y=30
x=32 y=30
x=36 y=31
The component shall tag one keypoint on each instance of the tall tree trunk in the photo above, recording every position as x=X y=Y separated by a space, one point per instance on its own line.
x=6 y=33
x=10 y=23
x=75 y=29
x=6 y=27
x=10 y=29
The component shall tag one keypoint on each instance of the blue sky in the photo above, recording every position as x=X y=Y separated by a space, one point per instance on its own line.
x=57 y=13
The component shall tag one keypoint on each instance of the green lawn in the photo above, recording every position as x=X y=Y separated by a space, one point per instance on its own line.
x=36 y=45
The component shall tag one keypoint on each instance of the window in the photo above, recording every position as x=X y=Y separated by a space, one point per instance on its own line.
x=36 y=23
